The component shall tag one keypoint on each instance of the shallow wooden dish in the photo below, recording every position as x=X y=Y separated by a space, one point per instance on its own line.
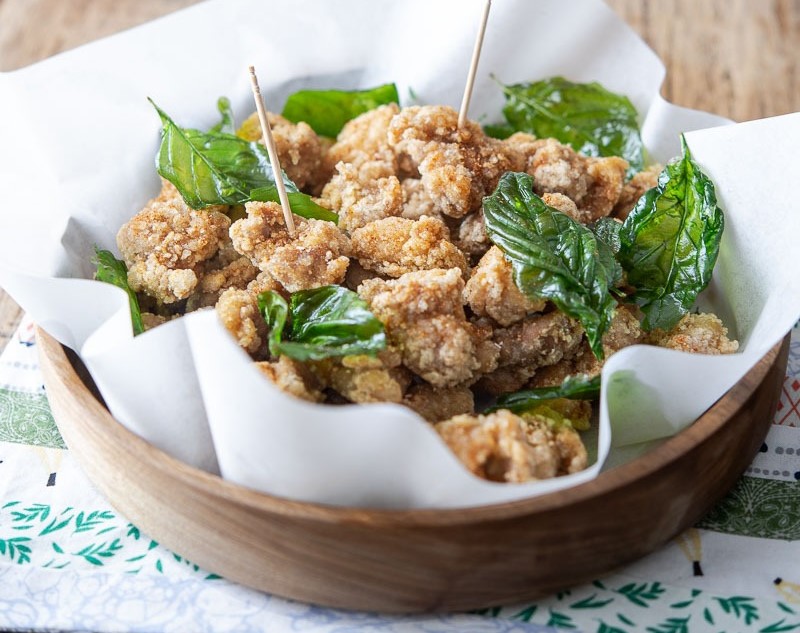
x=419 y=560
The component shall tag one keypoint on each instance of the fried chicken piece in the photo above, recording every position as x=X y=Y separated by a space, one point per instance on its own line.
x=317 y=256
x=357 y=274
x=364 y=139
x=458 y=166
x=624 y=330
x=361 y=195
x=395 y=246
x=416 y=201
x=562 y=203
x=538 y=340
x=165 y=246
x=292 y=377
x=436 y=405
x=300 y=150
x=635 y=189
x=363 y=378
x=424 y=318
x=593 y=184
x=239 y=313
x=701 y=333
x=472 y=237
x=505 y=380
x=228 y=269
x=491 y=291
x=504 y=447
x=150 y=320
x=520 y=148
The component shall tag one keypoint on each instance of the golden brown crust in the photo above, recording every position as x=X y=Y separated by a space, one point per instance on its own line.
x=696 y=333
x=436 y=405
x=634 y=189
x=292 y=377
x=239 y=313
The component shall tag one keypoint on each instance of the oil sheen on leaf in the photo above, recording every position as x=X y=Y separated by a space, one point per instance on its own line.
x=113 y=271
x=553 y=256
x=670 y=242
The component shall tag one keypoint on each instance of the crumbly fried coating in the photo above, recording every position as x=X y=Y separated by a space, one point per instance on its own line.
x=395 y=246
x=239 y=313
x=222 y=272
x=436 y=405
x=504 y=447
x=363 y=378
x=292 y=377
x=150 y=320
x=300 y=150
x=562 y=203
x=458 y=166
x=361 y=195
x=491 y=291
x=416 y=201
x=634 y=189
x=538 y=340
x=472 y=237
x=317 y=256
x=364 y=139
x=593 y=184
x=424 y=318
x=165 y=246
x=701 y=333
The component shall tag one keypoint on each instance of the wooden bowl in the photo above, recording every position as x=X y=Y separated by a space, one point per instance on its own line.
x=418 y=560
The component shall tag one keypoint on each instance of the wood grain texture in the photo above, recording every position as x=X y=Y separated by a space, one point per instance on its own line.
x=738 y=58
x=423 y=560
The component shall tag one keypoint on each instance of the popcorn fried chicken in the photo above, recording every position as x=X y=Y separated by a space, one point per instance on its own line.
x=436 y=405
x=317 y=256
x=165 y=246
x=491 y=291
x=424 y=317
x=472 y=237
x=239 y=313
x=365 y=139
x=507 y=448
x=696 y=333
x=293 y=378
x=635 y=189
x=395 y=246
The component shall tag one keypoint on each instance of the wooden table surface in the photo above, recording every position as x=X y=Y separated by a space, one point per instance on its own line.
x=738 y=58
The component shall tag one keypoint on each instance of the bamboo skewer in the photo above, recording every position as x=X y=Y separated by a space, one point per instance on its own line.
x=273 y=153
x=473 y=67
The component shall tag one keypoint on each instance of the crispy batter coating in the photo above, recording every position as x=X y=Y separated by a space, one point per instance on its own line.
x=317 y=256
x=593 y=184
x=361 y=195
x=538 y=340
x=436 y=405
x=472 y=237
x=491 y=291
x=165 y=246
x=562 y=203
x=226 y=270
x=395 y=246
x=634 y=189
x=504 y=447
x=416 y=201
x=300 y=150
x=292 y=377
x=150 y=320
x=425 y=319
x=364 y=139
x=363 y=378
x=696 y=333
x=239 y=313
x=458 y=166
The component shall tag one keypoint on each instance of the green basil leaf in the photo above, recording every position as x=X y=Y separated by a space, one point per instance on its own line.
x=113 y=271
x=499 y=130
x=593 y=120
x=553 y=256
x=670 y=242
x=327 y=321
x=608 y=230
x=210 y=168
x=227 y=124
x=578 y=387
x=326 y=111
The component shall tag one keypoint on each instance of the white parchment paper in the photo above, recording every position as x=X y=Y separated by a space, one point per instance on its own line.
x=76 y=162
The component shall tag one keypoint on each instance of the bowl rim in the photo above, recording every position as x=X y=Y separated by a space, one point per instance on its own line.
x=703 y=429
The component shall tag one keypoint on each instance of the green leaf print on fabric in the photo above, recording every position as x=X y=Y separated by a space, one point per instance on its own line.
x=94 y=554
x=741 y=606
x=16 y=549
x=560 y=621
x=26 y=419
x=779 y=627
x=642 y=594
x=671 y=625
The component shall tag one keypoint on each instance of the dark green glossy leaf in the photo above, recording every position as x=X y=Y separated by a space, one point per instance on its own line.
x=326 y=111
x=327 y=321
x=577 y=387
x=670 y=241
x=593 y=120
x=209 y=168
x=553 y=256
x=608 y=230
x=227 y=124
x=113 y=271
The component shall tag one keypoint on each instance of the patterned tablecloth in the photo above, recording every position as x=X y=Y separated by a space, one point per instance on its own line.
x=69 y=561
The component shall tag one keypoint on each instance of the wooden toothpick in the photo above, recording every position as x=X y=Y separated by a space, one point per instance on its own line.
x=473 y=67
x=273 y=153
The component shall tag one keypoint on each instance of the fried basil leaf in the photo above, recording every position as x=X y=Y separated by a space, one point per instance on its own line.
x=593 y=120
x=226 y=124
x=326 y=111
x=670 y=241
x=553 y=256
x=324 y=322
x=210 y=168
x=578 y=387
x=608 y=230
x=113 y=271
